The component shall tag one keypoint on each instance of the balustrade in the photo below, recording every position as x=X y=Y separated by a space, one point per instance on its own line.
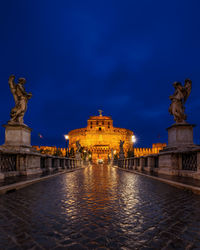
x=17 y=164
x=189 y=161
x=8 y=162
x=139 y=163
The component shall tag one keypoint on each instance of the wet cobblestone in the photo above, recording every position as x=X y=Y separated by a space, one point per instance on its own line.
x=100 y=208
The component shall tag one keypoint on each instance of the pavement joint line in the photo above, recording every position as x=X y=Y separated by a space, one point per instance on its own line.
x=22 y=184
x=176 y=184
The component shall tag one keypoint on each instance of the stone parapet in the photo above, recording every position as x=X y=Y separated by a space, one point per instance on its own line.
x=141 y=164
x=28 y=164
x=48 y=163
x=184 y=163
x=2 y=176
x=198 y=162
x=16 y=164
x=151 y=163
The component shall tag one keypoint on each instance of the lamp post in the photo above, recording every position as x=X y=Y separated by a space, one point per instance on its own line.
x=133 y=139
x=67 y=146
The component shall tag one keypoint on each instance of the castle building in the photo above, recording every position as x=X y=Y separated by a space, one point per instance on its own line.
x=99 y=137
x=138 y=152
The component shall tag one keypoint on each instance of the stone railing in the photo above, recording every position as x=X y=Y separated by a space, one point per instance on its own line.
x=179 y=163
x=15 y=164
x=53 y=163
x=138 y=163
x=8 y=162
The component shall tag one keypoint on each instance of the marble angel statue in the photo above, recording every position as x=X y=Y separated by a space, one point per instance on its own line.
x=21 y=98
x=178 y=99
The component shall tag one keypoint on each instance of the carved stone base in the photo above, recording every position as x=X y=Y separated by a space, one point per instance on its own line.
x=17 y=137
x=180 y=135
x=78 y=156
x=121 y=155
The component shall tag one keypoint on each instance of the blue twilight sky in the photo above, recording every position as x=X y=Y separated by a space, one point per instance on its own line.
x=82 y=55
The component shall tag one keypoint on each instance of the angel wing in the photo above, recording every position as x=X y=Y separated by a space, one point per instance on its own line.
x=187 y=89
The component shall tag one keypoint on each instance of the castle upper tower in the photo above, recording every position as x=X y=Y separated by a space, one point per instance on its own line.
x=100 y=123
x=100 y=137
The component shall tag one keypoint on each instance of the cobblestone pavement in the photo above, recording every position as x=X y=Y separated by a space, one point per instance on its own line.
x=100 y=207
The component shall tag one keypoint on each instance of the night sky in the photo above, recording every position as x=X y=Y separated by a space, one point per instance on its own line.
x=79 y=56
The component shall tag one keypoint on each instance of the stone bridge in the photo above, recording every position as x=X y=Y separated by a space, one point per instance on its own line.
x=100 y=207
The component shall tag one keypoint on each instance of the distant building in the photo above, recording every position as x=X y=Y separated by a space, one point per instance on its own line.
x=100 y=137
x=51 y=150
x=156 y=147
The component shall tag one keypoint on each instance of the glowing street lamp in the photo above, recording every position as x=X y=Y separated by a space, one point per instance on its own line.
x=133 y=139
x=67 y=148
x=66 y=137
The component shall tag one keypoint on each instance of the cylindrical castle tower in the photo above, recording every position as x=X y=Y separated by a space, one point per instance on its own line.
x=100 y=137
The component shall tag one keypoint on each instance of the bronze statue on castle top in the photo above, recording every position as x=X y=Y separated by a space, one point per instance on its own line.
x=178 y=99
x=21 y=98
x=100 y=112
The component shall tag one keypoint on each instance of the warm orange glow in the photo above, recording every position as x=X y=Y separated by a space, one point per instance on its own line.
x=66 y=137
x=100 y=137
x=51 y=150
x=156 y=147
x=134 y=139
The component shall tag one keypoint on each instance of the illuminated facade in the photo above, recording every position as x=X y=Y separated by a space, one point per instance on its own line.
x=51 y=150
x=100 y=137
x=156 y=147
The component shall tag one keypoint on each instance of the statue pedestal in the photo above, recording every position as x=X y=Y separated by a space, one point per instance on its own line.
x=18 y=143
x=121 y=156
x=17 y=137
x=180 y=135
x=180 y=141
x=78 y=156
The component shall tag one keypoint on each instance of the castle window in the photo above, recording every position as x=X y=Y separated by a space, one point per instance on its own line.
x=90 y=126
x=97 y=123
x=102 y=123
x=108 y=124
x=91 y=123
x=99 y=129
